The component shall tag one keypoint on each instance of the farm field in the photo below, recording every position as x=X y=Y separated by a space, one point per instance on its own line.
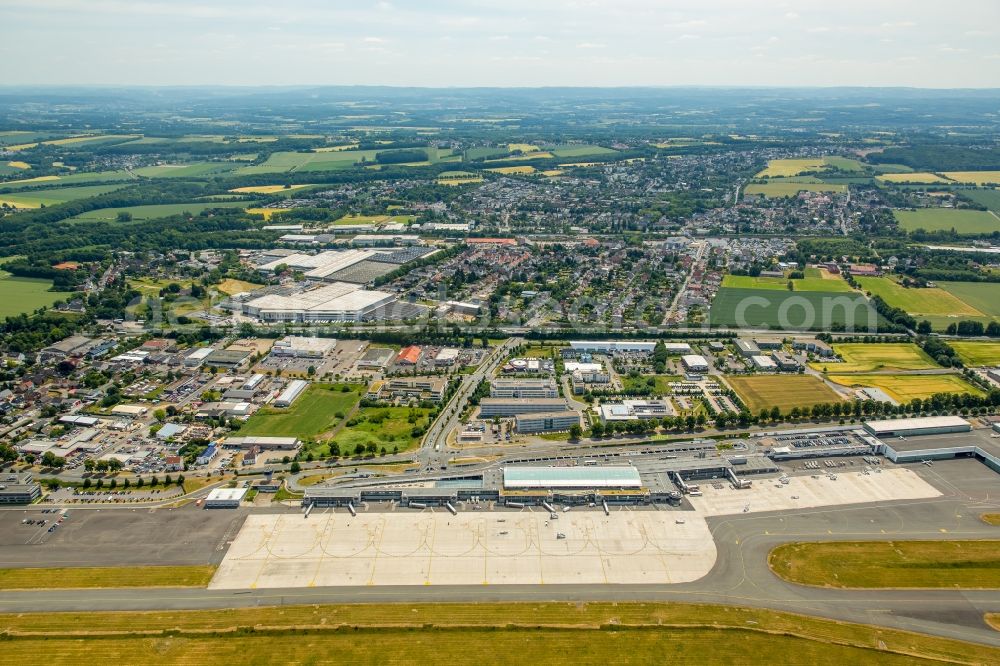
x=90 y=139
x=790 y=189
x=443 y=633
x=895 y=564
x=22 y=295
x=372 y=219
x=782 y=391
x=922 y=177
x=977 y=353
x=919 y=302
x=574 y=150
x=905 y=388
x=861 y=357
x=527 y=156
x=804 y=309
x=523 y=170
x=105 y=577
x=749 y=282
x=982 y=296
x=57 y=195
x=313 y=413
x=974 y=177
x=944 y=219
x=791 y=167
x=69 y=179
x=820 y=279
x=384 y=427
x=844 y=163
x=154 y=211
x=988 y=198
x=185 y=170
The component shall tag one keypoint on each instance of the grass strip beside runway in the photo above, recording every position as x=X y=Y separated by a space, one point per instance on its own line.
x=543 y=633
x=105 y=577
x=890 y=564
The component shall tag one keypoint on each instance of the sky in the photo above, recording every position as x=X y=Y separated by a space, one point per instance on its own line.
x=447 y=43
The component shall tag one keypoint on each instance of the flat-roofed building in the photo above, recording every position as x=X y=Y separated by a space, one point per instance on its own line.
x=269 y=443
x=581 y=478
x=291 y=392
x=298 y=346
x=421 y=388
x=747 y=348
x=763 y=363
x=337 y=301
x=786 y=362
x=768 y=343
x=923 y=425
x=225 y=498
x=18 y=488
x=446 y=357
x=547 y=421
x=513 y=406
x=612 y=346
x=695 y=363
x=227 y=358
x=634 y=410
x=524 y=388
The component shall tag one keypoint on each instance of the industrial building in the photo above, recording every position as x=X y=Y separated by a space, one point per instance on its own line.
x=677 y=348
x=547 y=421
x=18 y=488
x=446 y=357
x=611 y=346
x=197 y=357
x=513 y=406
x=695 y=363
x=421 y=388
x=633 y=410
x=763 y=364
x=524 y=388
x=337 y=301
x=924 y=425
x=297 y=346
x=747 y=348
x=409 y=355
x=207 y=456
x=225 y=498
x=291 y=392
x=170 y=430
x=272 y=443
x=227 y=358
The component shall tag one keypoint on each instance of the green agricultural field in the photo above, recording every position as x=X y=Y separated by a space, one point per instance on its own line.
x=154 y=211
x=934 y=303
x=792 y=310
x=893 y=564
x=783 y=391
x=287 y=161
x=186 y=170
x=977 y=353
x=921 y=178
x=24 y=295
x=988 y=198
x=391 y=428
x=57 y=195
x=68 y=179
x=905 y=388
x=574 y=150
x=791 y=189
x=981 y=296
x=791 y=167
x=844 y=163
x=945 y=219
x=313 y=413
x=861 y=357
x=749 y=282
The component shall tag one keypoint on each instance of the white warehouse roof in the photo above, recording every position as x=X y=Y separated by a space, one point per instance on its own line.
x=226 y=495
x=949 y=423
x=620 y=476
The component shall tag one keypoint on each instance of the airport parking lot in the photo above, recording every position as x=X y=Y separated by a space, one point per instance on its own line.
x=495 y=548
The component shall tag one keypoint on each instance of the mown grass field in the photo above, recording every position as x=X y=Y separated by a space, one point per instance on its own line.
x=69 y=179
x=105 y=577
x=977 y=353
x=814 y=280
x=154 y=211
x=905 y=388
x=756 y=308
x=579 y=150
x=790 y=189
x=935 y=301
x=988 y=198
x=860 y=357
x=314 y=412
x=20 y=294
x=781 y=168
x=981 y=296
x=514 y=170
x=878 y=564
x=195 y=170
x=55 y=195
x=267 y=189
x=782 y=391
x=945 y=219
x=590 y=633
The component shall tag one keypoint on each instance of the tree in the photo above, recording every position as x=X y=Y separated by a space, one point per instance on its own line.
x=160 y=415
x=575 y=431
x=89 y=464
x=597 y=430
x=295 y=467
x=124 y=216
x=924 y=327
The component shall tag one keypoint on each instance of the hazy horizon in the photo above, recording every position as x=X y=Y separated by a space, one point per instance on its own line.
x=450 y=44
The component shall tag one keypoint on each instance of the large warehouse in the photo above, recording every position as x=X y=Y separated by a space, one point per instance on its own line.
x=225 y=498
x=338 y=301
x=582 y=478
x=612 y=346
x=926 y=425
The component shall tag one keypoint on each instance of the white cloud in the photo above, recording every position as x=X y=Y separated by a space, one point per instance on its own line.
x=373 y=40
x=689 y=36
x=590 y=45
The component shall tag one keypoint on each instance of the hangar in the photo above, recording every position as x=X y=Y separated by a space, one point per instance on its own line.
x=225 y=498
x=926 y=425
